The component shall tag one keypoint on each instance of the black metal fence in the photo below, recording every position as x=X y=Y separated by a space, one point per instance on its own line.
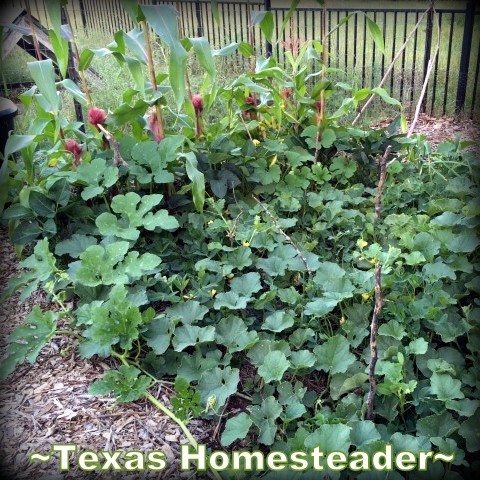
x=453 y=86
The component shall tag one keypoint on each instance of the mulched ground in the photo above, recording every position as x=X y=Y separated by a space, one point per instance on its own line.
x=48 y=403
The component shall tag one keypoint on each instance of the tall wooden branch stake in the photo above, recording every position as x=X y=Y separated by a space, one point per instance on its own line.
x=378 y=295
x=427 y=78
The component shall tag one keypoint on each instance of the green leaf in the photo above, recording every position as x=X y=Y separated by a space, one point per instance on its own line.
x=265 y=20
x=334 y=355
x=127 y=384
x=439 y=425
x=135 y=212
x=15 y=143
x=274 y=365
x=291 y=10
x=26 y=341
x=219 y=383
x=98 y=264
x=192 y=335
x=419 y=346
x=54 y=13
x=41 y=204
x=214 y=7
x=445 y=387
x=188 y=312
x=264 y=417
x=233 y=333
x=327 y=138
x=342 y=383
x=133 y=10
x=230 y=300
x=4 y=176
x=465 y=242
x=60 y=192
x=246 y=284
x=302 y=359
x=382 y=93
x=75 y=245
x=158 y=335
x=186 y=402
x=363 y=432
x=95 y=177
x=470 y=431
x=393 y=328
x=376 y=34
x=320 y=307
x=114 y=322
x=204 y=55
x=39 y=267
x=278 y=321
x=60 y=49
x=163 y=20
x=136 y=71
x=330 y=438
x=135 y=41
x=26 y=232
x=16 y=212
x=438 y=270
x=86 y=58
x=43 y=75
x=198 y=181
x=236 y=428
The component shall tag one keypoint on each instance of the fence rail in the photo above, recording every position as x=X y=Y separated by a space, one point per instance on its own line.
x=453 y=87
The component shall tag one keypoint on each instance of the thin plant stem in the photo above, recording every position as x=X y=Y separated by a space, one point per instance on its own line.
x=153 y=78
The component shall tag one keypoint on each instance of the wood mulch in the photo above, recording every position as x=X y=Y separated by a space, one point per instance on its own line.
x=48 y=403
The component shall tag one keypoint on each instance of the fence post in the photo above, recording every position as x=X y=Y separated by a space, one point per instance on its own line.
x=81 y=6
x=428 y=49
x=268 y=45
x=198 y=11
x=465 y=56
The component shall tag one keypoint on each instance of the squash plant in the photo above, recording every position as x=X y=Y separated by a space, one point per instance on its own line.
x=237 y=258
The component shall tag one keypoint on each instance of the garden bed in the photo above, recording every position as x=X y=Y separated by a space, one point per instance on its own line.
x=47 y=402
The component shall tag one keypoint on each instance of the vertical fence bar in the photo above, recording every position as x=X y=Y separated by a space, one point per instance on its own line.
x=392 y=76
x=364 y=50
x=412 y=92
x=449 y=55
x=329 y=58
x=346 y=40
x=402 y=81
x=198 y=12
x=384 y=35
x=435 y=73
x=374 y=51
x=465 y=56
x=268 y=46
x=355 y=31
x=475 y=85
x=428 y=48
